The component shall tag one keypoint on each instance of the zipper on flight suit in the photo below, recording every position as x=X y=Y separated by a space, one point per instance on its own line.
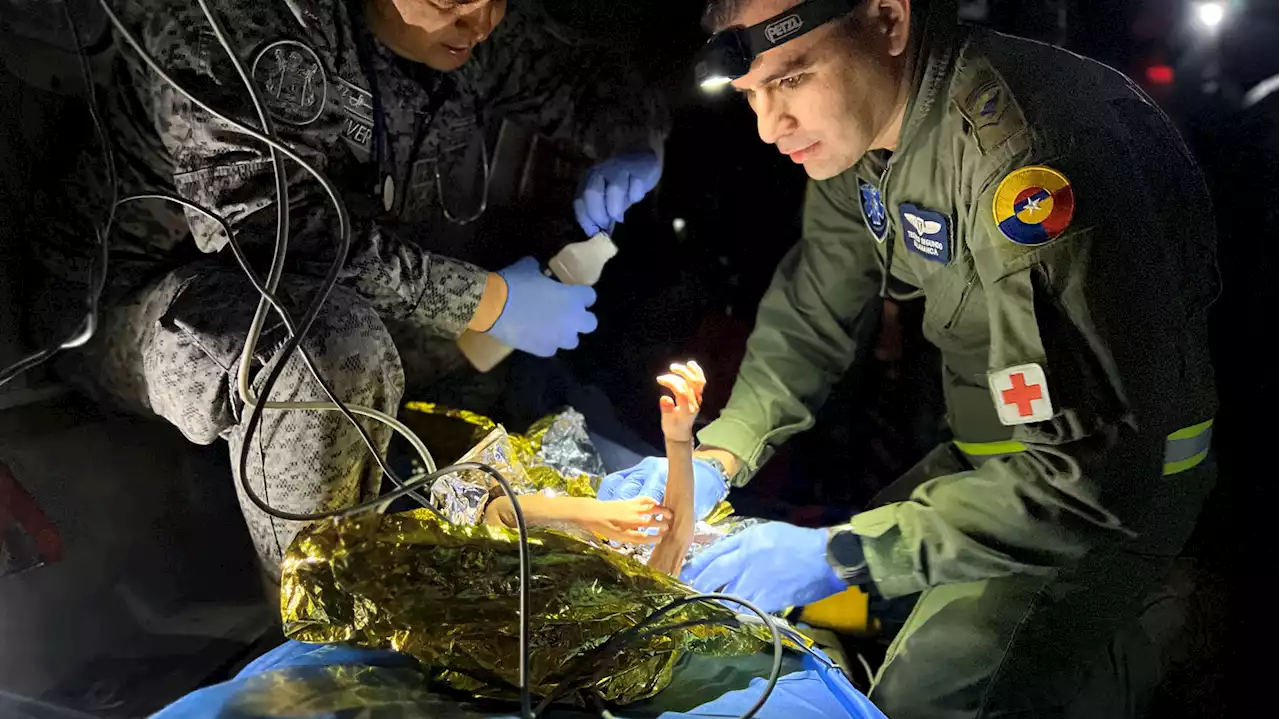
x=890 y=241
x=964 y=298
x=917 y=108
x=888 y=258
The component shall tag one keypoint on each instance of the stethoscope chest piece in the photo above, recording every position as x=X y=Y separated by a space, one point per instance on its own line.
x=388 y=193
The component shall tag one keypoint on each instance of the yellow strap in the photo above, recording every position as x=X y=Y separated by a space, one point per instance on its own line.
x=1194 y=430
x=1182 y=436
x=848 y=612
x=988 y=449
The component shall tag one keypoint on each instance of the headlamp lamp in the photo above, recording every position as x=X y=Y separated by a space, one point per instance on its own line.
x=729 y=53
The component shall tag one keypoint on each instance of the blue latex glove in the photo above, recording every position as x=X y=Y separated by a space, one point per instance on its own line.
x=774 y=566
x=612 y=186
x=649 y=479
x=542 y=315
x=821 y=691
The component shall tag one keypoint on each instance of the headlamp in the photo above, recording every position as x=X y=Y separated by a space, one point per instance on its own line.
x=729 y=53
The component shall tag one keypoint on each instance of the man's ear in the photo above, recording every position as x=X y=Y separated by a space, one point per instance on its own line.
x=892 y=19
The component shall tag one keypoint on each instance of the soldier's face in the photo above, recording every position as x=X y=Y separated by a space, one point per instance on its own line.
x=446 y=31
x=829 y=96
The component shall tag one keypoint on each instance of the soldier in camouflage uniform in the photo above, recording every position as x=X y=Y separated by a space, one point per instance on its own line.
x=1062 y=237
x=386 y=98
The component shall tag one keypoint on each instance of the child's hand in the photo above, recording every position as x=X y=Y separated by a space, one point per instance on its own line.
x=678 y=413
x=625 y=520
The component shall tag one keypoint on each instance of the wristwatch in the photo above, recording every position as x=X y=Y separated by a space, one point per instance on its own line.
x=845 y=555
x=724 y=474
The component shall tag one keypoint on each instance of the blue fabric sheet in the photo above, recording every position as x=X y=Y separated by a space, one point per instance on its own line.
x=335 y=682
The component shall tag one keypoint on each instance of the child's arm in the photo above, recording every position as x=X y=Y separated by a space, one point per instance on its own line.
x=619 y=521
x=678 y=413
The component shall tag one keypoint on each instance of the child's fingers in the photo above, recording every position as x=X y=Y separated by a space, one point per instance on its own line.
x=684 y=397
x=698 y=374
x=646 y=505
x=660 y=522
x=680 y=388
x=638 y=538
x=675 y=383
x=692 y=377
x=666 y=404
x=683 y=370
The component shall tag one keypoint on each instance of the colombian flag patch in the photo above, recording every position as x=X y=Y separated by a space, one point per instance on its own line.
x=1033 y=205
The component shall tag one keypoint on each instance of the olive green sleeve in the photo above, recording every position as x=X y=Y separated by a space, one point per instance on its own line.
x=803 y=338
x=1114 y=311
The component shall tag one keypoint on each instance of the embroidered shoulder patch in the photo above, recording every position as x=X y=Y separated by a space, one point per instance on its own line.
x=989 y=108
x=873 y=209
x=293 y=81
x=1033 y=205
x=1021 y=394
x=927 y=233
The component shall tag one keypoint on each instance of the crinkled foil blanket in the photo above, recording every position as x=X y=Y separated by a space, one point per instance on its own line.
x=447 y=593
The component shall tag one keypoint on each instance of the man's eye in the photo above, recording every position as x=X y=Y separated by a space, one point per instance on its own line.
x=791 y=83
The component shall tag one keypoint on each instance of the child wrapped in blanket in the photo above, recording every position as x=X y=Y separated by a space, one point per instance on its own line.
x=444 y=592
x=669 y=526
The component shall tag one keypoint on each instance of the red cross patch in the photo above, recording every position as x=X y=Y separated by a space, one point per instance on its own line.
x=1021 y=394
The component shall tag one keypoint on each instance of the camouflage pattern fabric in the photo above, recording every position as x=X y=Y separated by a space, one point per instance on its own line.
x=173 y=349
x=178 y=309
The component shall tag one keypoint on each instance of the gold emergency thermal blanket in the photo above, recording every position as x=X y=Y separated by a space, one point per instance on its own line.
x=446 y=592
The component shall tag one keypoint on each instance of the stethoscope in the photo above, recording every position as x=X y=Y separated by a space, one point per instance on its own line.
x=484 y=196
x=387 y=187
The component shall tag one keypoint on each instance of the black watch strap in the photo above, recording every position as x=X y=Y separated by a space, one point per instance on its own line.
x=844 y=553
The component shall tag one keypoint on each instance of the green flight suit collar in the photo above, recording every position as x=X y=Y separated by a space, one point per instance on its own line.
x=936 y=47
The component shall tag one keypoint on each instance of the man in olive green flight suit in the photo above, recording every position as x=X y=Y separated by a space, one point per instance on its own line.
x=1062 y=237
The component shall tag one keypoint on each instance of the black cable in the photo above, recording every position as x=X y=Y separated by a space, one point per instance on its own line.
x=98 y=274
x=609 y=650
x=241 y=259
x=312 y=312
x=526 y=573
x=26 y=363
x=282 y=219
x=298 y=333
x=322 y=294
x=668 y=628
x=304 y=325
x=309 y=317
x=100 y=281
x=99 y=277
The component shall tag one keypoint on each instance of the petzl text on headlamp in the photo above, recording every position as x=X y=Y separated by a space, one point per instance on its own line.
x=729 y=53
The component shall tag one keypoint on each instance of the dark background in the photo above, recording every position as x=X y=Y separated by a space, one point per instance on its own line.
x=673 y=295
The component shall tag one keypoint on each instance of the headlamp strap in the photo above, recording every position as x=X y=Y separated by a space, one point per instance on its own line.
x=791 y=24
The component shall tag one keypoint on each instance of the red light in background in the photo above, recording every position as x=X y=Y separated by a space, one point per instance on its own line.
x=1159 y=74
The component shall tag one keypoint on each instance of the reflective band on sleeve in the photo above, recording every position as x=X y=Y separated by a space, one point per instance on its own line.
x=1193 y=431
x=1187 y=448
x=987 y=450
x=1183 y=450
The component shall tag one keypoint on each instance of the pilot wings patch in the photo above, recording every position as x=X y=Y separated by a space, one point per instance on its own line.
x=927 y=233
